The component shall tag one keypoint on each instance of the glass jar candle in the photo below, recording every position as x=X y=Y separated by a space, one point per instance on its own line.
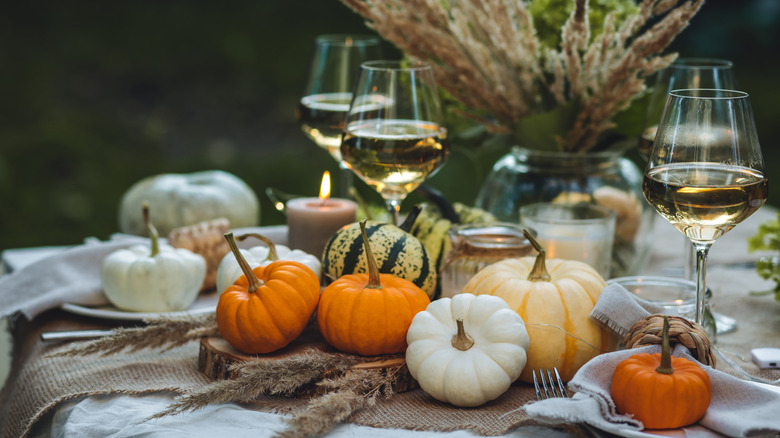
x=476 y=246
x=676 y=296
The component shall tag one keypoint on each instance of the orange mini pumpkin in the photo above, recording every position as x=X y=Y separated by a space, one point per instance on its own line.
x=661 y=391
x=268 y=307
x=369 y=314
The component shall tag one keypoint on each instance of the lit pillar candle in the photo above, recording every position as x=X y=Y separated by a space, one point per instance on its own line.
x=312 y=221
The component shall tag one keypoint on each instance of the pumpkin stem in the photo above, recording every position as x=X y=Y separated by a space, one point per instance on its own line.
x=272 y=254
x=373 y=269
x=539 y=270
x=666 y=351
x=154 y=236
x=254 y=282
x=461 y=340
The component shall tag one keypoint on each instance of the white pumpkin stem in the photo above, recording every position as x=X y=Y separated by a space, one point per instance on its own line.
x=154 y=236
x=254 y=282
x=272 y=254
x=461 y=340
x=373 y=270
x=666 y=350
x=539 y=270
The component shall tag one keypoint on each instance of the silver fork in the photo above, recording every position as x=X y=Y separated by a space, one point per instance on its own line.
x=547 y=386
x=556 y=388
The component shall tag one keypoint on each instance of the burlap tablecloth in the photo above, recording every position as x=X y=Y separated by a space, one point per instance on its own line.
x=38 y=385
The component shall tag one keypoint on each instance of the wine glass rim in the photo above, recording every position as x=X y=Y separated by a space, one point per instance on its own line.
x=345 y=39
x=398 y=65
x=701 y=63
x=708 y=94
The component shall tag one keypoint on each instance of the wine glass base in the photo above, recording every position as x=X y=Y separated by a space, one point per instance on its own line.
x=724 y=324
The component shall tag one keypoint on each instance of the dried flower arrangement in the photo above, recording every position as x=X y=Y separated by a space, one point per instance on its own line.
x=488 y=56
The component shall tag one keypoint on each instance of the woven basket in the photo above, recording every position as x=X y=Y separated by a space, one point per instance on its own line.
x=647 y=331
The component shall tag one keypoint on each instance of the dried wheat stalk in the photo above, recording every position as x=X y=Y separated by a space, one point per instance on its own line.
x=487 y=55
x=263 y=377
x=164 y=332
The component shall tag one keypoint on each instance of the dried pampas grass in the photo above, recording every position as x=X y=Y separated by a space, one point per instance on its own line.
x=487 y=55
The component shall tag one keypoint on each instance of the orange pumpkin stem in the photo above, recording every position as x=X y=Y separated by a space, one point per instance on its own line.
x=154 y=236
x=272 y=254
x=666 y=351
x=254 y=282
x=539 y=270
x=461 y=340
x=373 y=270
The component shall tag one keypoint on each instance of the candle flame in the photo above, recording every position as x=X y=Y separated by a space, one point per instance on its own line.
x=325 y=186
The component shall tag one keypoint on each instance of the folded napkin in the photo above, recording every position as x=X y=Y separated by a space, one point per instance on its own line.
x=68 y=276
x=73 y=275
x=738 y=408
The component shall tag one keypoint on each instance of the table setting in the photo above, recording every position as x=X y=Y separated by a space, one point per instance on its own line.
x=580 y=294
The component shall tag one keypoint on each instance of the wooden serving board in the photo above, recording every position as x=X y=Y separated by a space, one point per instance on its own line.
x=216 y=355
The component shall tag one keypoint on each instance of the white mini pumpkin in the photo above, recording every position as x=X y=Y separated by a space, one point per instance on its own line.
x=154 y=277
x=466 y=350
x=229 y=270
x=179 y=200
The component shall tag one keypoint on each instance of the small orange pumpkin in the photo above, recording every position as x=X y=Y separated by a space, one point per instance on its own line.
x=661 y=391
x=268 y=307
x=369 y=314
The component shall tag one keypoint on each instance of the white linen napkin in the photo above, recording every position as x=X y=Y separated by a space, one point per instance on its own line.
x=68 y=276
x=738 y=408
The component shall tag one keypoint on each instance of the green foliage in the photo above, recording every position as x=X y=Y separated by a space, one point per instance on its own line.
x=550 y=15
x=768 y=239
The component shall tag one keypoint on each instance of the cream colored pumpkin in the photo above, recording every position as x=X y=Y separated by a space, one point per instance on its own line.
x=154 y=277
x=556 y=308
x=466 y=350
x=179 y=200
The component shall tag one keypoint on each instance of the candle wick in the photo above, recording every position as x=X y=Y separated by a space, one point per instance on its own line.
x=323 y=202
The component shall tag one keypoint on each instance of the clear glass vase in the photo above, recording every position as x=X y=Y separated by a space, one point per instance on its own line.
x=526 y=176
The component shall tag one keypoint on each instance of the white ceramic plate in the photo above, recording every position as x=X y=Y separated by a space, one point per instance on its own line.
x=206 y=303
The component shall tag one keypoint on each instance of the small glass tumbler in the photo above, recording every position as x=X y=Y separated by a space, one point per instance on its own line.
x=676 y=296
x=580 y=231
x=476 y=246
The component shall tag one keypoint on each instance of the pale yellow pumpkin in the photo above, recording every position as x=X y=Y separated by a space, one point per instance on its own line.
x=554 y=298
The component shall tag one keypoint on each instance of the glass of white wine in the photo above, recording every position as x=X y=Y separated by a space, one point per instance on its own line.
x=334 y=67
x=705 y=172
x=687 y=73
x=394 y=134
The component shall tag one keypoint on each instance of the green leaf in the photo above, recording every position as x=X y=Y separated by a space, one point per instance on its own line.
x=541 y=131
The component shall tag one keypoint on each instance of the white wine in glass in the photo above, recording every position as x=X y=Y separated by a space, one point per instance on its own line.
x=328 y=94
x=394 y=136
x=705 y=172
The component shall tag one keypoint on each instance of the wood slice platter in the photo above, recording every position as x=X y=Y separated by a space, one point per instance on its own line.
x=217 y=355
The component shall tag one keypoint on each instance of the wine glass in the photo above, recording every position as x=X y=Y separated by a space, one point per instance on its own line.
x=334 y=67
x=687 y=73
x=705 y=172
x=394 y=134
x=683 y=73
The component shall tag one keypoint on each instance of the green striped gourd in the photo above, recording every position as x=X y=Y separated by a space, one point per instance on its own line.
x=397 y=252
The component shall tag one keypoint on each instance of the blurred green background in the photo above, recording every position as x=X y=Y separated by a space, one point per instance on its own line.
x=96 y=96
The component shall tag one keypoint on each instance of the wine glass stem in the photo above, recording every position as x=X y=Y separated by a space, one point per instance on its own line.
x=702 y=249
x=345 y=180
x=394 y=208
